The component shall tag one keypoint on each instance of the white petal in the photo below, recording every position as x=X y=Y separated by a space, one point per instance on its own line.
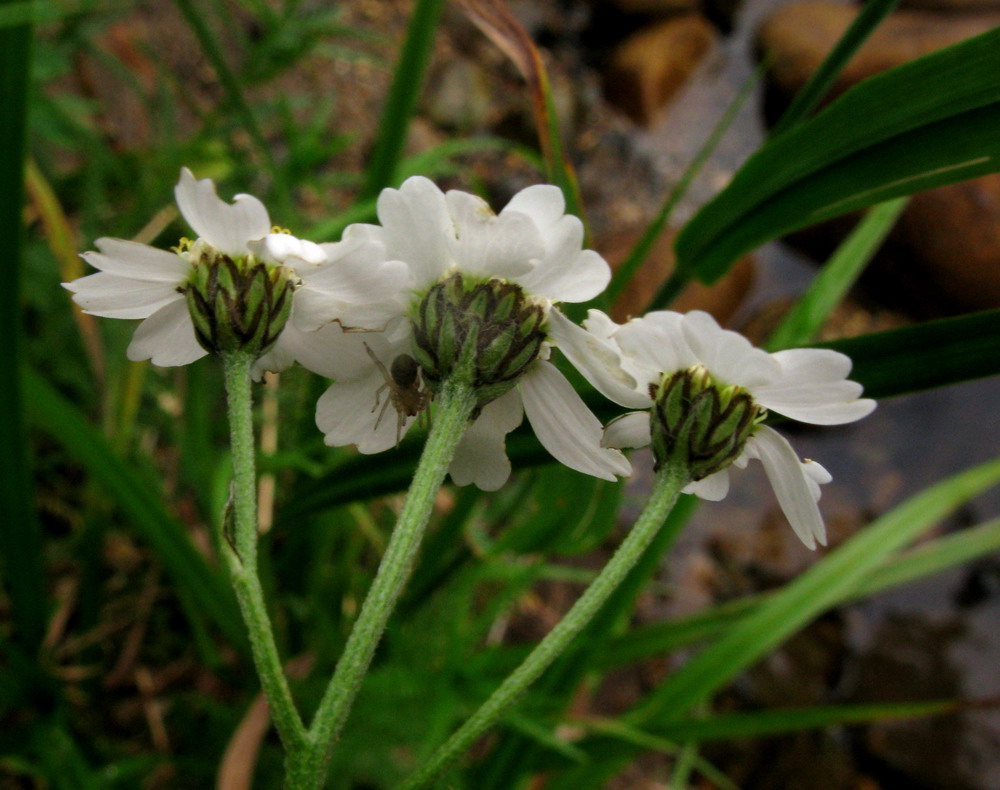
x=816 y=475
x=166 y=338
x=112 y=296
x=226 y=226
x=657 y=344
x=358 y=273
x=481 y=455
x=812 y=365
x=281 y=355
x=791 y=484
x=630 y=430
x=565 y=426
x=544 y=203
x=729 y=356
x=599 y=361
x=347 y=413
x=836 y=413
x=712 y=488
x=283 y=248
x=488 y=245
x=416 y=228
x=813 y=388
x=600 y=324
x=571 y=279
x=138 y=261
x=340 y=355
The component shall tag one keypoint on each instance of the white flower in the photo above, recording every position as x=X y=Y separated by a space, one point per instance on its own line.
x=139 y=281
x=533 y=245
x=628 y=362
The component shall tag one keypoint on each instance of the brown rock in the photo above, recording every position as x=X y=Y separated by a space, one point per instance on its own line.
x=798 y=37
x=649 y=67
x=944 y=254
x=952 y=236
x=721 y=299
x=953 y=6
x=655 y=7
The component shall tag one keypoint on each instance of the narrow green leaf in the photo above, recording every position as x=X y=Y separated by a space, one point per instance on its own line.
x=866 y=147
x=869 y=17
x=641 y=251
x=234 y=91
x=407 y=82
x=927 y=559
x=924 y=356
x=833 y=282
x=201 y=587
x=20 y=534
x=775 y=722
x=537 y=733
x=826 y=583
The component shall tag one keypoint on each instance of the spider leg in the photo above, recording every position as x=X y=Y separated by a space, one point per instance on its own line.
x=378 y=393
x=381 y=413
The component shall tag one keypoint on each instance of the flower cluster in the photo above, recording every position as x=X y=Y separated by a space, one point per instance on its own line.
x=704 y=392
x=444 y=289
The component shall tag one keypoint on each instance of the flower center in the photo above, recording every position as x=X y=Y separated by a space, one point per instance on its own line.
x=236 y=304
x=486 y=331
x=699 y=421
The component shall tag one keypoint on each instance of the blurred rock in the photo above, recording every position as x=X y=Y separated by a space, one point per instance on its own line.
x=721 y=299
x=909 y=659
x=460 y=96
x=655 y=7
x=942 y=256
x=952 y=234
x=798 y=37
x=953 y=6
x=650 y=66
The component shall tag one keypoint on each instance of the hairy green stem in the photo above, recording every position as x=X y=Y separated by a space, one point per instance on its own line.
x=455 y=403
x=240 y=551
x=668 y=487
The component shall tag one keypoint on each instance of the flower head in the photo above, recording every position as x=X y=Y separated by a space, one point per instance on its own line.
x=235 y=287
x=479 y=293
x=705 y=392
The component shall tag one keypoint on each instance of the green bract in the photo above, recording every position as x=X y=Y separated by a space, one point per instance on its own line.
x=490 y=328
x=238 y=304
x=705 y=423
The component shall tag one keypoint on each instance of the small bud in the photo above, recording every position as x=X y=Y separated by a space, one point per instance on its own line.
x=486 y=330
x=703 y=423
x=237 y=304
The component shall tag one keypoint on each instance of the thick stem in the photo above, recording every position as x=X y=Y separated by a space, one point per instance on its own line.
x=668 y=487
x=240 y=552
x=455 y=403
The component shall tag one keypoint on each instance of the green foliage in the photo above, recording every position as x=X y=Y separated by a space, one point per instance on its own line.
x=865 y=148
x=136 y=458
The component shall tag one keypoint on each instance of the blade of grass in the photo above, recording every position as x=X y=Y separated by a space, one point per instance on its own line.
x=871 y=15
x=63 y=245
x=234 y=94
x=932 y=557
x=20 y=534
x=202 y=589
x=838 y=576
x=835 y=577
x=867 y=147
x=924 y=356
x=496 y=22
x=640 y=252
x=401 y=102
x=835 y=279
x=732 y=726
x=563 y=679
